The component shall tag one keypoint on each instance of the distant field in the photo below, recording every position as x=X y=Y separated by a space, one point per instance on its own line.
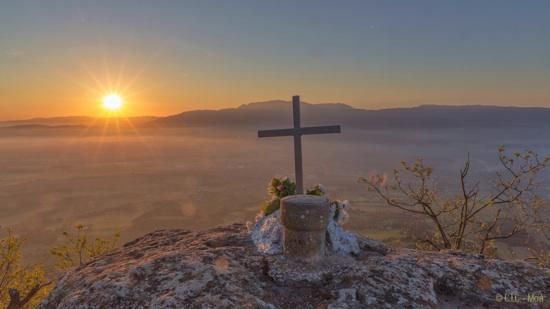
x=136 y=182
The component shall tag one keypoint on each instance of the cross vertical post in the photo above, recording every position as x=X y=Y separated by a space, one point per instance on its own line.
x=297 y=146
x=297 y=131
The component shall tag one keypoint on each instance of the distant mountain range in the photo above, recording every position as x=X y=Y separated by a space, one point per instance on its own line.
x=279 y=114
x=272 y=114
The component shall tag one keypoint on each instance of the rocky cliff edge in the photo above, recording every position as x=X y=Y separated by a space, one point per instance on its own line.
x=221 y=268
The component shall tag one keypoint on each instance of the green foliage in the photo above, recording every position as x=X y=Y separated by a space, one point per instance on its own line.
x=24 y=286
x=29 y=281
x=78 y=248
x=318 y=190
x=271 y=206
x=279 y=188
x=540 y=256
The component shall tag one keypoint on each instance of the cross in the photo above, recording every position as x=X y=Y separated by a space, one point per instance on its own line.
x=297 y=132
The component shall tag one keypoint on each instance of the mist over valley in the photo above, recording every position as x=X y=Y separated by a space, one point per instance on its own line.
x=202 y=169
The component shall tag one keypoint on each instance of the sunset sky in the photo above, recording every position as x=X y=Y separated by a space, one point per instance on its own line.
x=61 y=57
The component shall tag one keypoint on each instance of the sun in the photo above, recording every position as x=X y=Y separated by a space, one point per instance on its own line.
x=112 y=102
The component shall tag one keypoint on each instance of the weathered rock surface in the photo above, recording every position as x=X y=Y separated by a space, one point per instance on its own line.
x=222 y=268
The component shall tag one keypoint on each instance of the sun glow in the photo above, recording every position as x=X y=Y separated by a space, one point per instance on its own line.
x=112 y=102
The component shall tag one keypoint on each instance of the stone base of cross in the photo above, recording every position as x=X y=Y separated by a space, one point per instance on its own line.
x=297 y=131
x=305 y=219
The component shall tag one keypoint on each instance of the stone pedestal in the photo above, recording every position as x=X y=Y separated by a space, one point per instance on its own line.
x=305 y=219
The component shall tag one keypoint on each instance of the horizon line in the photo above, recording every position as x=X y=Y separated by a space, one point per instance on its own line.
x=32 y=118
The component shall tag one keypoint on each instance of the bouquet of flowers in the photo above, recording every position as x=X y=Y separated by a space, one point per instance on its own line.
x=282 y=187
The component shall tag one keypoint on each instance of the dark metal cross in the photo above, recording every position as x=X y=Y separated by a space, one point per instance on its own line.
x=297 y=132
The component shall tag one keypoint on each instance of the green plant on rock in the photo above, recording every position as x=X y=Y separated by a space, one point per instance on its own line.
x=318 y=190
x=279 y=188
x=78 y=248
x=271 y=206
x=25 y=286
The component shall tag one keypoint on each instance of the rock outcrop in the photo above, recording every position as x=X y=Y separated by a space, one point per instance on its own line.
x=222 y=268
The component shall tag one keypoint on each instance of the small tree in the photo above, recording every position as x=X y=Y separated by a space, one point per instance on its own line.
x=541 y=228
x=78 y=248
x=20 y=286
x=470 y=220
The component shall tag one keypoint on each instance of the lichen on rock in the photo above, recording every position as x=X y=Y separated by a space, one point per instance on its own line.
x=222 y=268
x=267 y=233
x=341 y=241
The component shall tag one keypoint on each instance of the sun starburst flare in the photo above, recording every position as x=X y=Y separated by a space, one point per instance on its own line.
x=112 y=102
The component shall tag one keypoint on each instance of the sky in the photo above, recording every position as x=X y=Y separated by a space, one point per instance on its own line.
x=61 y=57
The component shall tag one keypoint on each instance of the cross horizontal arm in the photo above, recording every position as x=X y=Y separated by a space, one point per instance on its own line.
x=300 y=131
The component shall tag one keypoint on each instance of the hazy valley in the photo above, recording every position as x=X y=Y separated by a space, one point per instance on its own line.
x=201 y=169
